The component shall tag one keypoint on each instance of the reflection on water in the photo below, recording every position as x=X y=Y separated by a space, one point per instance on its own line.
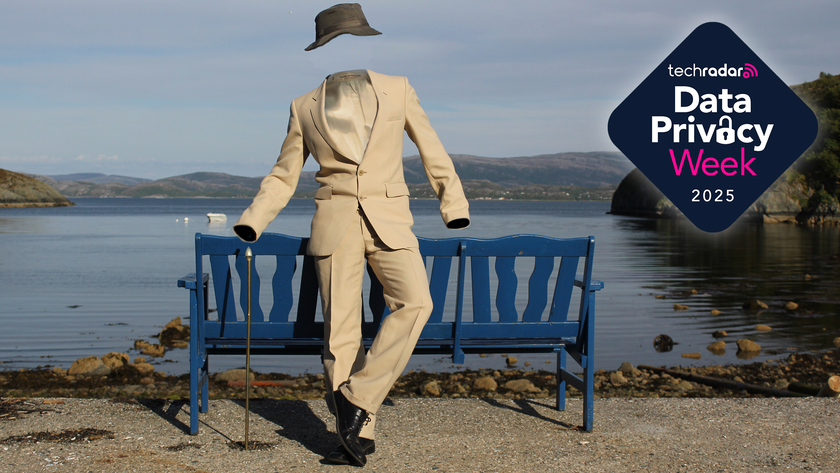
x=775 y=264
x=22 y=226
x=91 y=279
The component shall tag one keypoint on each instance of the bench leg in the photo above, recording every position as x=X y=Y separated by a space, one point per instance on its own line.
x=195 y=361
x=585 y=384
x=198 y=380
x=205 y=387
x=194 y=376
x=588 y=396
x=561 y=383
x=199 y=393
x=589 y=367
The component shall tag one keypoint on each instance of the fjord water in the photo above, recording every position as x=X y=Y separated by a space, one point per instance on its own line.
x=91 y=279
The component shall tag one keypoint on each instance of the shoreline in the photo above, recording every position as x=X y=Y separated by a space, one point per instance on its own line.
x=24 y=205
x=795 y=373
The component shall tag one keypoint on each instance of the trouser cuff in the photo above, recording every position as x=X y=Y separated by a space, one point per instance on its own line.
x=368 y=407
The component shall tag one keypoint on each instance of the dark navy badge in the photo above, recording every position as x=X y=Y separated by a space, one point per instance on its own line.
x=712 y=127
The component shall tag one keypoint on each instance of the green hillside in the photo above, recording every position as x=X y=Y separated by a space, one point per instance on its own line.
x=18 y=190
x=819 y=167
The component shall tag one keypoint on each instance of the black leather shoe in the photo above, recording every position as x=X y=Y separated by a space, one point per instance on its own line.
x=349 y=420
x=339 y=456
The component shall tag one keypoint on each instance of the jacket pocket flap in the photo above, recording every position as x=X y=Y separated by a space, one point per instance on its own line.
x=394 y=118
x=396 y=189
x=324 y=193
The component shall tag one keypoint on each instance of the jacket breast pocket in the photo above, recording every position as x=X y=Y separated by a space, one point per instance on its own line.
x=394 y=118
x=396 y=189
x=324 y=193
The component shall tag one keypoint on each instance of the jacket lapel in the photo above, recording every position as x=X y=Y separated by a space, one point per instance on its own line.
x=319 y=116
x=382 y=109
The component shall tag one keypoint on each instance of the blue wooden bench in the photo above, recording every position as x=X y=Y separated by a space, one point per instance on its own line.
x=495 y=321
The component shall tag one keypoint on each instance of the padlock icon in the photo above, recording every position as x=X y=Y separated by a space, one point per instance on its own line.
x=725 y=136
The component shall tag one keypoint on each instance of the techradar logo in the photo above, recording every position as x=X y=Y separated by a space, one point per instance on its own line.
x=723 y=71
x=709 y=140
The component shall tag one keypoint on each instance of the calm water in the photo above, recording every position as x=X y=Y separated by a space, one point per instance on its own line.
x=91 y=279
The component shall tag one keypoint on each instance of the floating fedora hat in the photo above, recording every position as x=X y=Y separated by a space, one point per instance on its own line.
x=340 y=19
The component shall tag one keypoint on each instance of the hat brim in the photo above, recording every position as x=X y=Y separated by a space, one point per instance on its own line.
x=357 y=31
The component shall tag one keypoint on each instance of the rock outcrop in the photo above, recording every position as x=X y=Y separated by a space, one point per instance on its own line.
x=89 y=366
x=17 y=190
x=781 y=203
x=636 y=196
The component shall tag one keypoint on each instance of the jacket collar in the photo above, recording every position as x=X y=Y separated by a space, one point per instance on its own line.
x=319 y=116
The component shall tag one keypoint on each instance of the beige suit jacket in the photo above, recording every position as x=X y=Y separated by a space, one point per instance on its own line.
x=377 y=185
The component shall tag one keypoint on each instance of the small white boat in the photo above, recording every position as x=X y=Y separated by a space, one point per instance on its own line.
x=212 y=217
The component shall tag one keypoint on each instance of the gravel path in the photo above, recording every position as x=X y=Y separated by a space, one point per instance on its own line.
x=460 y=435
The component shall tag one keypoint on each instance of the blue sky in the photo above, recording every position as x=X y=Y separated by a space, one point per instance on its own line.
x=161 y=88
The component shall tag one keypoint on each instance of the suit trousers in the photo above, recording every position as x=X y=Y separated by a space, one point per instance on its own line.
x=366 y=379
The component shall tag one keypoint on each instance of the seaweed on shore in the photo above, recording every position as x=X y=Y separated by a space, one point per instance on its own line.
x=13 y=409
x=796 y=369
x=65 y=436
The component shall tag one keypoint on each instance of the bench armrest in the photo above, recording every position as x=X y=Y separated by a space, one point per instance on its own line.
x=188 y=281
x=594 y=285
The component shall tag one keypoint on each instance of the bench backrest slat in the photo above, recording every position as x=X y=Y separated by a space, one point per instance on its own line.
x=538 y=289
x=281 y=286
x=223 y=288
x=438 y=285
x=506 y=291
x=480 y=274
x=563 y=289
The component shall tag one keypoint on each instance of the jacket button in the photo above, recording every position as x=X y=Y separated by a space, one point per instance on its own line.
x=362 y=198
x=361 y=172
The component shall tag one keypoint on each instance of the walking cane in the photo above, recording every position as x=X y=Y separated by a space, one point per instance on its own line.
x=248 y=256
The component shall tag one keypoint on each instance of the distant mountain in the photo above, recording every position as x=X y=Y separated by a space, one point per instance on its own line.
x=198 y=184
x=82 y=188
x=19 y=190
x=99 y=178
x=593 y=169
x=562 y=176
